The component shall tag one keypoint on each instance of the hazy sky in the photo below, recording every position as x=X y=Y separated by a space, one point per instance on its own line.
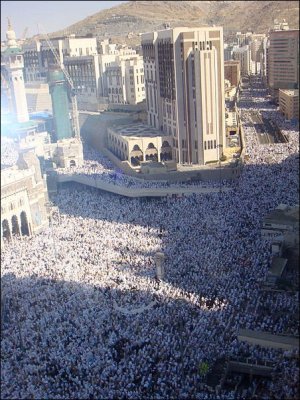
x=53 y=15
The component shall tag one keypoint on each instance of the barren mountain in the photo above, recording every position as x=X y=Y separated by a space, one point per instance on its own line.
x=125 y=22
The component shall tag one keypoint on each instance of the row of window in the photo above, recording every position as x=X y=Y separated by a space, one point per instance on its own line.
x=210 y=144
x=12 y=206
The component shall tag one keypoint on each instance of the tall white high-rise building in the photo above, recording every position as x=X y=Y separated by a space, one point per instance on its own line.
x=12 y=63
x=184 y=83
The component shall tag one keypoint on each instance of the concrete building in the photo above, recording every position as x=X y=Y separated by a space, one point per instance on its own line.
x=231 y=124
x=264 y=60
x=228 y=49
x=38 y=97
x=85 y=74
x=112 y=63
x=289 y=103
x=242 y=54
x=33 y=70
x=243 y=39
x=138 y=142
x=283 y=66
x=256 y=48
x=23 y=198
x=184 y=80
x=38 y=55
x=126 y=81
x=232 y=71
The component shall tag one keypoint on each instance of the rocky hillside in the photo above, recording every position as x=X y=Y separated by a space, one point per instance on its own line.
x=125 y=22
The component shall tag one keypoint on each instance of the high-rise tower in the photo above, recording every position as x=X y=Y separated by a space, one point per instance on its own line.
x=184 y=84
x=12 y=61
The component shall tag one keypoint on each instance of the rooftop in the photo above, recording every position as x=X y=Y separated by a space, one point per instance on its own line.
x=290 y=92
x=137 y=130
x=289 y=216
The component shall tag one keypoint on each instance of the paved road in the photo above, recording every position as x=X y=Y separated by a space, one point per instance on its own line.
x=264 y=130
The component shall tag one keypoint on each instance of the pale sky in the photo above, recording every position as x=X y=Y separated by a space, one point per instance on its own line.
x=52 y=15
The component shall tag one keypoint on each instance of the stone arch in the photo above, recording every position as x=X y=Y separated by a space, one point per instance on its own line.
x=24 y=224
x=165 y=151
x=72 y=163
x=6 y=230
x=15 y=228
x=136 y=155
x=151 y=152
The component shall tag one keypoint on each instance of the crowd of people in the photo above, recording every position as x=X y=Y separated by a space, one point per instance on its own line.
x=86 y=317
x=98 y=166
x=9 y=152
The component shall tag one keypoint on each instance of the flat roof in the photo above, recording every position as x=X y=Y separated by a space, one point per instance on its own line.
x=277 y=266
x=231 y=118
x=137 y=130
x=248 y=333
x=290 y=92
x=286 y=217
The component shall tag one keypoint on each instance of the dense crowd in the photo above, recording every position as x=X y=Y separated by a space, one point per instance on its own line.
x=86 y=317
x=9 y=152
x=97 y=166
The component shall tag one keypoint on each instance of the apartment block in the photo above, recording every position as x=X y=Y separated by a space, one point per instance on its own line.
x=38 y=55
x=264 y=55
x=289 y=103
x=283 y=53
x=85 y=74
x=228 y=49
x=232 y=71
x=242 y=54
x=184 y=78
x=33 y=62
x=126 y=81
x=243 y=39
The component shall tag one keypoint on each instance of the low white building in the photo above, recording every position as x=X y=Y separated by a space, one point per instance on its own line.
x=136 y=143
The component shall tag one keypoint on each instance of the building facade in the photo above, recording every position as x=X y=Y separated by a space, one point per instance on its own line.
x=137 y=143
x=242 y=54
x=283 y=57
x=232 y=72
x=184 y=81
x=126 y=81
x=23 y=198
x=85 y=74
x=289 y=103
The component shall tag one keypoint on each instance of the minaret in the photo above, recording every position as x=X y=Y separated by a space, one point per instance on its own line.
x=13 y=62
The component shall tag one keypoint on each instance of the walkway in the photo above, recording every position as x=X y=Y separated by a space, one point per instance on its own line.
x=136 y=192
